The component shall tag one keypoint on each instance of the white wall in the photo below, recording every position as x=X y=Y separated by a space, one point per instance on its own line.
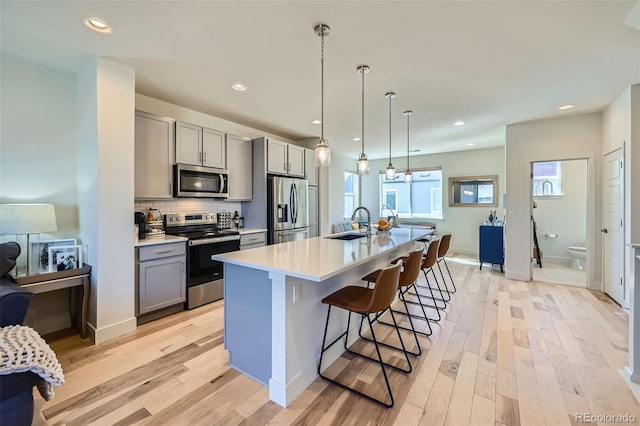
x=461 y=222
x=106 y=107
x=570 y=137
x=38 y=161
x=38 y=139
x=564 y=216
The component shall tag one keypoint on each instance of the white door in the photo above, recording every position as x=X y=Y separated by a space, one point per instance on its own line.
x=188 y=144
x=612 y=221
x=296 y=160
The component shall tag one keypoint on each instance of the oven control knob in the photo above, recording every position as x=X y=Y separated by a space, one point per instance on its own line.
x=171 y=218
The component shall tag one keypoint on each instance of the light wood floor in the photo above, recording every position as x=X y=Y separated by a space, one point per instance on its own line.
x=506 y=353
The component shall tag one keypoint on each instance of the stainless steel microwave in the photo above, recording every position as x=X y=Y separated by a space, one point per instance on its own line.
x=200 y=182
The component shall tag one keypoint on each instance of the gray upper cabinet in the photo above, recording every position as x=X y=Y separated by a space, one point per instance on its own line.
x=284 y=158
x=199 y=146
x=310 y=169
x=296 y=160
x=239 y=163
x=153 y=156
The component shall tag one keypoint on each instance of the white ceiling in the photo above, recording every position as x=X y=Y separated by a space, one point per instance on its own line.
x=487 y=63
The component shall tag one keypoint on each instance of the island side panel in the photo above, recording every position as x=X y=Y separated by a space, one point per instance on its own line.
x=298 y=327
x=247 y=321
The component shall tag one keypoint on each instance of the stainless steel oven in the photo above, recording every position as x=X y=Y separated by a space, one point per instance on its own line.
x=200 y=182
x=205 y=276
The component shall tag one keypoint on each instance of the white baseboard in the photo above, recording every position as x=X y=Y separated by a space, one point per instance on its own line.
x=52 y=323
x=517 y=275
x=627 y=376
x=111 y=331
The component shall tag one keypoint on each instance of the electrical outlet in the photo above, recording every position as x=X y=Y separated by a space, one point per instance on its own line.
x=511 y=213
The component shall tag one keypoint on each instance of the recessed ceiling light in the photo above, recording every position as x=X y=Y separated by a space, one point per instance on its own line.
x=316 y=122
x=98 y=25
x=356 y=139
x=565 y=107
x=470 y=144
x=238 y=87
x=459 y=123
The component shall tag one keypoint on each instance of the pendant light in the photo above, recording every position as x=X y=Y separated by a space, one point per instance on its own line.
x=363 y=162
x=323 y=152
x=407 y=174
x=391 y=171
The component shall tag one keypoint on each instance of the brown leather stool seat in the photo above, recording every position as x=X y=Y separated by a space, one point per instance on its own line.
x=365 y=301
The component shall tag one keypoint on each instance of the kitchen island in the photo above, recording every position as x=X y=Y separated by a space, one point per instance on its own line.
x=273 y=315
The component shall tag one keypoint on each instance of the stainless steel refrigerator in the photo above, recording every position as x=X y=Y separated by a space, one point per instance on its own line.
x=288 y=214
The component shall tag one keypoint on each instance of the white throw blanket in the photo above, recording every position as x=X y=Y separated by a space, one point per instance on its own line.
x=22 y=349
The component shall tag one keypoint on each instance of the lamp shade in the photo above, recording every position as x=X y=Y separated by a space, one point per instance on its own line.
x=27 y=219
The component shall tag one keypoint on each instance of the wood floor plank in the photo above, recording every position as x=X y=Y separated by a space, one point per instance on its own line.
x=459 y=411
x=483 y=411
x=555 y=412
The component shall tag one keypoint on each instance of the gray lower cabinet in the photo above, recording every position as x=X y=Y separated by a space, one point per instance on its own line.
x=161 y=276
x=253 y=240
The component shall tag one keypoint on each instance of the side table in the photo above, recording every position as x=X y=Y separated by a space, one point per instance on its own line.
x=73 y=279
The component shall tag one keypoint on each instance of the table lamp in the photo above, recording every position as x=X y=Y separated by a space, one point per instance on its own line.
x=27 y=219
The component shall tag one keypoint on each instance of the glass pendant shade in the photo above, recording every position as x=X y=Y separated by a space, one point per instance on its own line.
x=363 y=164
x=391 y=172
x=323 y=152
x=408 y=177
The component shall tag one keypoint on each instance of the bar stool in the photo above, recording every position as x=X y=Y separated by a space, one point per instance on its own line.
x=428 y=262
x=407 y=279
x=365 y=301
x=443 y=248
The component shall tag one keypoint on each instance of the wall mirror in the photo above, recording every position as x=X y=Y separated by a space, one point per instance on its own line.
x=473 y=191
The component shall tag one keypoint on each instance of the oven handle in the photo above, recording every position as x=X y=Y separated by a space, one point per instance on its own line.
x=213 y=240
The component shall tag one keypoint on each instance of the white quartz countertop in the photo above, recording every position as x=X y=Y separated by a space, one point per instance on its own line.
x=251 y=230
x=317 y=259
x=154 y=241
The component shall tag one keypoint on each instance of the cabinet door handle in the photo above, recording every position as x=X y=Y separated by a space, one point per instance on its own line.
x=164 y=251
x=199 y=156
x=204 y=157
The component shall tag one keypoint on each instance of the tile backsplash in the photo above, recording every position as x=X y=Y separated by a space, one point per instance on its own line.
x=188 y=206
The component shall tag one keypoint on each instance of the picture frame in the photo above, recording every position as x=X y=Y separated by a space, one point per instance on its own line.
x=63 y=258
x=39 y=253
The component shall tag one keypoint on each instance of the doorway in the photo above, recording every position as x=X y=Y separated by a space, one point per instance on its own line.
x=559 y=221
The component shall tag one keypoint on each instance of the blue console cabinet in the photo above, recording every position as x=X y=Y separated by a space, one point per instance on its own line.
x=491 y=245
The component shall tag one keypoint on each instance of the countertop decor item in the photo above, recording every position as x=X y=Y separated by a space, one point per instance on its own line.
x=391 y=171
x=323 y=152
x=363 y=162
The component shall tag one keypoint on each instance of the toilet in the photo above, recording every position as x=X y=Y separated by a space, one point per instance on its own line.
x=578 y=257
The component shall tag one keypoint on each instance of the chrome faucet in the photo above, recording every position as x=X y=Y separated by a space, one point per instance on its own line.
x=353 y=217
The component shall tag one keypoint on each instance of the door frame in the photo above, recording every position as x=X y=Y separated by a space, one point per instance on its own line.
x=591 y=188
x=625 y=284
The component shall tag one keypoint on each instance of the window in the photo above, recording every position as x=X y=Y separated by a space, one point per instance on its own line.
x=351 y=193
x=422 y=198
x=547 y=179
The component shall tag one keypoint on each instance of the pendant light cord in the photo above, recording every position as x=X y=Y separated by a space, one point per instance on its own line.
x=363 y=72
x=322 y=86
x=390 y=97
x=408 y=116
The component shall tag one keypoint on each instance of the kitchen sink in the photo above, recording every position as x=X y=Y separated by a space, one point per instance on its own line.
x=347 y=237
